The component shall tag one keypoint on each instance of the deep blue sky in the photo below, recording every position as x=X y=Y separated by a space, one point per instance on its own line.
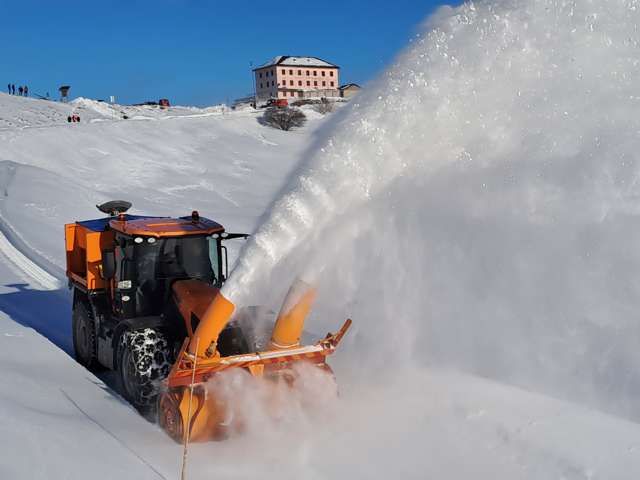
x=194 y=52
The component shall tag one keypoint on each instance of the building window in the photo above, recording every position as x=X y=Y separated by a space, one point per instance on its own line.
x=290 y=82
x=331 y=73
x=260 y=74
x=308 y=83
x=324 y=84
x=332 y=84
x=284 y=71
x=307 y=73
x=315 y=73
x=261 y=85
x=315 y=83
x=290 y=72
x=293 y=94
x=299 y=83
x=323 y=73
x=272 y=83
x=299 y=72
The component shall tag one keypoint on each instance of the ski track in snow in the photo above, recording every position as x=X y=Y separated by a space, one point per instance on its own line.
x=27 y=269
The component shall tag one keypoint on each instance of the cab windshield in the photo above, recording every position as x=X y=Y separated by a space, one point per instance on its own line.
x=177 y=258
x=153 y=264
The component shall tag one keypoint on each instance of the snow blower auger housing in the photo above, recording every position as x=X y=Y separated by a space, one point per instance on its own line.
x=147 y=304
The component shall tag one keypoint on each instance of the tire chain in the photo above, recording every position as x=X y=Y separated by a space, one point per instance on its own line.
x=151 y=355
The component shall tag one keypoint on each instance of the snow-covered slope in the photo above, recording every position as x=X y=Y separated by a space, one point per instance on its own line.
x=449 y=198
x=23 y=112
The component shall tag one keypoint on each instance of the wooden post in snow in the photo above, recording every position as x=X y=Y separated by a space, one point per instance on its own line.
x=185 y=450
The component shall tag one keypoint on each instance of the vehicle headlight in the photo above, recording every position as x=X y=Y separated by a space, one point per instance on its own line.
x=124 y=284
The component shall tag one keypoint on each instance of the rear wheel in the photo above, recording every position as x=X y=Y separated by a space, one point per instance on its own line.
x=144 y=360
x=84 y=335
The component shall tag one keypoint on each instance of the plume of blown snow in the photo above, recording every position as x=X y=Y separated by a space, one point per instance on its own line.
x=477 y=207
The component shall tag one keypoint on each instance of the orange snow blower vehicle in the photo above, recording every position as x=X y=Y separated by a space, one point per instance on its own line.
x=147 y=304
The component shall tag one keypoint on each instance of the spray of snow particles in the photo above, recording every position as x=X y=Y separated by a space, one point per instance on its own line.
x=476 y=209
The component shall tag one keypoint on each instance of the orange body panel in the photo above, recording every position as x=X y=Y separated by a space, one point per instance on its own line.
x=84 y=254
x=166 y=227
x=193 y=297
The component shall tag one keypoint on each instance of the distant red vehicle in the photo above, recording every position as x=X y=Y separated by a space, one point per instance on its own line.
x=164 y=102
x=277 y=102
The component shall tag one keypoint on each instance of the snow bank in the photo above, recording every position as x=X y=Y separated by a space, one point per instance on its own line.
x=59 y=421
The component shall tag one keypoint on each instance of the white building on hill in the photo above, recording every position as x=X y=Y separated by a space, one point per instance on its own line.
x=296 y=77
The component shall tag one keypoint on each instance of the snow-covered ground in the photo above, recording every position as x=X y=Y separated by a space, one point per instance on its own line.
x=471 y=210
x=167 y=162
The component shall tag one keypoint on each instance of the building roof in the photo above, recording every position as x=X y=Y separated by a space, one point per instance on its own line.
x=348 y=85
x=293 y=61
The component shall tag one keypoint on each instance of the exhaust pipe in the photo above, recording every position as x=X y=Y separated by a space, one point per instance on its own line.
x=290 y=322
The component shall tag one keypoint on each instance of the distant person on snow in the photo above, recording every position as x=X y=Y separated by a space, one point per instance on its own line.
x=13 y=89
x=26 y=91
x=9 y=88
x=20 y=90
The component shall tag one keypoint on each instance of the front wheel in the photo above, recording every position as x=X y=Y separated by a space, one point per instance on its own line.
x=144 y=360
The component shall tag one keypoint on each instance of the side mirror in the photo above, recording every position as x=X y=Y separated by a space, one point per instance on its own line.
x=108 y=264
x=225 y=264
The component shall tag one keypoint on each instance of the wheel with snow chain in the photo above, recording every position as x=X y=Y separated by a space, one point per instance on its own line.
x=144 y=360
x=84 y=336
